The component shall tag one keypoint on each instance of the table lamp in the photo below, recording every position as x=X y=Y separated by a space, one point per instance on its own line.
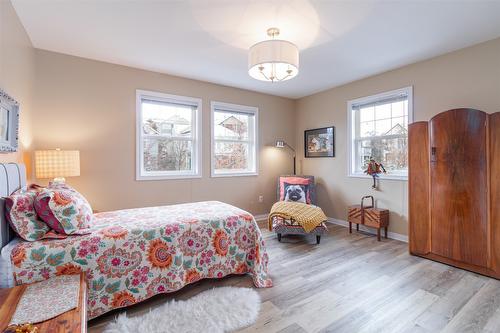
x=57 y=164
x=283 y=144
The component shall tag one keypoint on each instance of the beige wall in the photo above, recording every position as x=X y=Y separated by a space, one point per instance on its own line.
x=90 y=106
x=466 y=78
x=16 y=74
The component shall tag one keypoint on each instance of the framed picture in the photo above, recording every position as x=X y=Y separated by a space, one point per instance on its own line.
x=9 y=123
x=320 y=142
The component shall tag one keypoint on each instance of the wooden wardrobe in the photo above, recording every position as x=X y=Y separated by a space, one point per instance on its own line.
x=454 y=190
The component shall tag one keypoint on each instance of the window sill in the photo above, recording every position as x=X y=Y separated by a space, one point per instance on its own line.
x=382 y=177
x=166 y=177
x=236 y=174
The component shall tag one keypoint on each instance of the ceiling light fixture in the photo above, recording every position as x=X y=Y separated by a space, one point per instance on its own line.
x=273 y=60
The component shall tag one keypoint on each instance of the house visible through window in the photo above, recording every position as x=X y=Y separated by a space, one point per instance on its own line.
x=168 y=136
x=379 y=130
x=234 y=139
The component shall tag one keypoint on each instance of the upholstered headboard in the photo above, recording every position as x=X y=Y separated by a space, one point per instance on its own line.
x=12 y=178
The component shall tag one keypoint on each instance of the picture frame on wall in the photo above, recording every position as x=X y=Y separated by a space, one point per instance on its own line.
x=9 y=123
x=319 y=142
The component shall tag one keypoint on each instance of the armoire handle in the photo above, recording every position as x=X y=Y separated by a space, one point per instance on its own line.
x=433 y=154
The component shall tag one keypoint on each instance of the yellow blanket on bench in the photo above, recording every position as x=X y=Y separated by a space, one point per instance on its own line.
x=307 y=216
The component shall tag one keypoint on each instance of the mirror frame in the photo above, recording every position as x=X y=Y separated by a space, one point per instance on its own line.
x=11 y=106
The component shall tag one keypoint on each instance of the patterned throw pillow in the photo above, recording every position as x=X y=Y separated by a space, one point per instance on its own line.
x=64 y=209
x=295 y=189
x=21 y=214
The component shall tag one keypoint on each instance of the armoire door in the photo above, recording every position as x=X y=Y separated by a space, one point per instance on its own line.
x=458 y=185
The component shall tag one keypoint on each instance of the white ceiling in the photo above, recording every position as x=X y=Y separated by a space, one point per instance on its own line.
x=339 y=41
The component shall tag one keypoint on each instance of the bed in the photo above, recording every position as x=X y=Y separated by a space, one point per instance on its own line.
x=133 y=254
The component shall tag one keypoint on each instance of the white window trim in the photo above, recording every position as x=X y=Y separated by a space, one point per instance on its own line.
x=239 y=108
x=350 y=137
x=197 y=144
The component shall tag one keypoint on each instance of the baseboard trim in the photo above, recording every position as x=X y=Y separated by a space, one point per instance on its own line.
x=392 y=235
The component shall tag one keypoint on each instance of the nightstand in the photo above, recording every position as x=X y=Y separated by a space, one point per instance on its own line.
x=73 y=321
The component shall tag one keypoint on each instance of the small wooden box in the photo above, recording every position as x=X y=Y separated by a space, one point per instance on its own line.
x=370 y=216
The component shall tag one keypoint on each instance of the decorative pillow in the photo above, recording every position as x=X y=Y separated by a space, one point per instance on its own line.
x=21 y=214
x=297 y=193
x=64 y=209
x=295 y=189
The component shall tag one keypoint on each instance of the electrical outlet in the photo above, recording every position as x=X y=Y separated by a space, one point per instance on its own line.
x=261 y=198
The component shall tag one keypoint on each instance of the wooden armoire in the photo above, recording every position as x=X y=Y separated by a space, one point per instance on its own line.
x=454 y=190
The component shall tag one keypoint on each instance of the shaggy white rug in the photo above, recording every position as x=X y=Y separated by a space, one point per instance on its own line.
x=217 y=310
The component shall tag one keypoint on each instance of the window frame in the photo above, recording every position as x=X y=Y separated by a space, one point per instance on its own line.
x=351 y=139
x=215 y=105
x=197 y=137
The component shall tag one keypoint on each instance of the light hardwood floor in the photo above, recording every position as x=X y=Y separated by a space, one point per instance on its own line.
x=352 y=283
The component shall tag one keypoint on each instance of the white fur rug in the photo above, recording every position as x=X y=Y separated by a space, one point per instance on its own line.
x=217 y=310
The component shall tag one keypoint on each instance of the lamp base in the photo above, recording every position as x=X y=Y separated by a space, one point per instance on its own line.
x=59 y=180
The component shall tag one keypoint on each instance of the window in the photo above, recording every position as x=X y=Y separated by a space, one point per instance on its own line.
x=168 y=136
x=234 y=140
x=379 y=129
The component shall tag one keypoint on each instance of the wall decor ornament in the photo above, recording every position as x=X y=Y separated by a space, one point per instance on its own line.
x=9 y=123
x=373 y=168
x=319 y=142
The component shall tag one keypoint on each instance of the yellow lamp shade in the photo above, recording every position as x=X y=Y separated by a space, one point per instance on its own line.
x=57 y=163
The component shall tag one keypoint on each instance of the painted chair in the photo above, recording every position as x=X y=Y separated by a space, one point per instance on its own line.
x=289 y=227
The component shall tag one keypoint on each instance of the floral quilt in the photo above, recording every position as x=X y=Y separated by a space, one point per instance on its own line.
x=133 y=254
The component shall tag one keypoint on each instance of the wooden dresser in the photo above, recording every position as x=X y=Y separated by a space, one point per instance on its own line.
x=74 y=321
x=454 y=190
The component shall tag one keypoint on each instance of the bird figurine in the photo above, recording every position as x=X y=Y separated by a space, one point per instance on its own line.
x=373 y=168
